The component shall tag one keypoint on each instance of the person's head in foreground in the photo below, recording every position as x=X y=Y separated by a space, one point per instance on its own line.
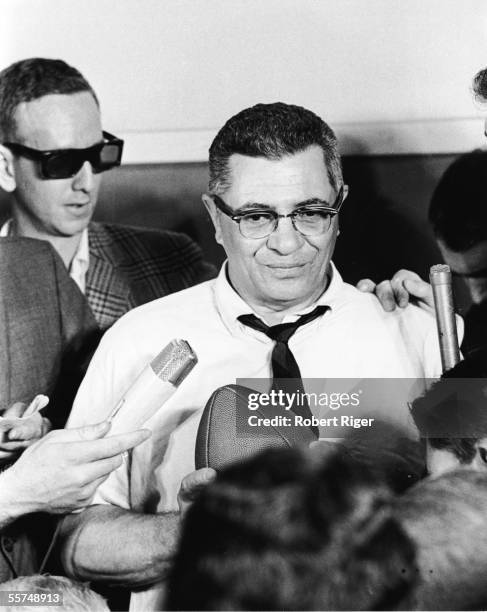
x=447 y=520
x=45 y=592
x=452 y=417
x=275 y=189
x=290 y=530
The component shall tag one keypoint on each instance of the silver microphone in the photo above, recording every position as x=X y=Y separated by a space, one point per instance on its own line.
x=440 y=279
x=157 y=382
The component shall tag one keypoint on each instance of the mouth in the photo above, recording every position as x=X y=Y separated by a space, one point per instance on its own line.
x=290 y=266
x=77 y=204
x=78 y=207
x=283 y=271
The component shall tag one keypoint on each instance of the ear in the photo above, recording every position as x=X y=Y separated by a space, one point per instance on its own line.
x=215 y=216
x=7 y=173
x=482 y=452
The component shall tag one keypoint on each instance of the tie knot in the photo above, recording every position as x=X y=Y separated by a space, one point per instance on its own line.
x=283 y=331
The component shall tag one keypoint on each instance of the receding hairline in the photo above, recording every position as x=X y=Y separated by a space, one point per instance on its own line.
x=223 y=186
x=25 y=103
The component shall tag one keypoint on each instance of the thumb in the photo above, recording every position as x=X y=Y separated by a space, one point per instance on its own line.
x=87 y=432
x=194 y=482
x=15 y=411
x=419 y=288
x=422 y=291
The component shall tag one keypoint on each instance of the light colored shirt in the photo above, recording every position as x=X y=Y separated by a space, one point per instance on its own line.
x=356 y=338
x=81 y=260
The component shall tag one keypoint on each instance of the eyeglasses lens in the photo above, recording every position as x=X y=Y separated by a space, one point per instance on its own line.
x=68 y=163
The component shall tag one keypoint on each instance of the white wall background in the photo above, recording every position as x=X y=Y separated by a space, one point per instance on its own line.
x=391 y=76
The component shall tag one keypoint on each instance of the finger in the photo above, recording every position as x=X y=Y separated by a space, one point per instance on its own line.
x=192 y=484
x=14 y=446
x=420 y=290
x=87 y=432
x=27 y=429
x=100 y=469
x=385 y=294
x=15 y=411
x=401 y=296
x=7 y=456
x=366 y=285
x=95 y=450
x=89 y=490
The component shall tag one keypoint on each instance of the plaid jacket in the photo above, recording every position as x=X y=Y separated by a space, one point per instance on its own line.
x=130 y=266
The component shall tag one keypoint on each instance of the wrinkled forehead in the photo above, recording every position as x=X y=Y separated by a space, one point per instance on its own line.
x=286 y=180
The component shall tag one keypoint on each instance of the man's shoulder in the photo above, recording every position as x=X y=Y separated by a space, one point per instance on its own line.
x=188 y=307
x=20 y=248
x=147 y=241
x=161 y=261
x=368 y=303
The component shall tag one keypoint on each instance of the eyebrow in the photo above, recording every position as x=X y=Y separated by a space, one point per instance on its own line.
x=250 y=206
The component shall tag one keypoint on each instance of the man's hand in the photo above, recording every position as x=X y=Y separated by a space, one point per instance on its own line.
x=17 y=433
x=61 y=471
x=403 y=286
x=192 y=485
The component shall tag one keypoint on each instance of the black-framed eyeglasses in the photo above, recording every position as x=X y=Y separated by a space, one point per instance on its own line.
x=66 y=163
x=311 y=219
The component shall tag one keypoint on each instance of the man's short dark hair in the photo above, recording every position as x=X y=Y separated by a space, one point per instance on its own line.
x=480 y=85
x=288 y=530
x=456 y=408
x=272 y=131
x=457 y=211
x=31 y=79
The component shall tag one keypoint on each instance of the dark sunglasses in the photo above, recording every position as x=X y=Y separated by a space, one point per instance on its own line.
x=65 y=163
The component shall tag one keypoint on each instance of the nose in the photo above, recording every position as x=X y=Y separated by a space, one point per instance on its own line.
x=84 y=180
x=285 y=239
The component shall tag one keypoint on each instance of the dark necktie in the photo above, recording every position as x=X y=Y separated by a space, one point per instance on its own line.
x=284 y=365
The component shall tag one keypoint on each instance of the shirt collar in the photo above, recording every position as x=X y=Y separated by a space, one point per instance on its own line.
x=81 y=260
x=230 y=305
x=6 y=229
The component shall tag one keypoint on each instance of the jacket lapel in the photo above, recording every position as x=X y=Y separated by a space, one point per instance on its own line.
x=107 y=289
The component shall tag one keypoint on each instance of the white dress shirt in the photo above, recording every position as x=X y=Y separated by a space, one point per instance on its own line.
x=81 y=260
x=356 y=338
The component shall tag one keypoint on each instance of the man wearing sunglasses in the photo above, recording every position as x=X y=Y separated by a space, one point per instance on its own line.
x=278 y=310
x=53 y=152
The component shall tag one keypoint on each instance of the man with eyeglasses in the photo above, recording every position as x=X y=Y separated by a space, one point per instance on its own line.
x=52 y=153
x=278 y=310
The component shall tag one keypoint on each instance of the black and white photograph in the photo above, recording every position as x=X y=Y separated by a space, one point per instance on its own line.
x=243 y=305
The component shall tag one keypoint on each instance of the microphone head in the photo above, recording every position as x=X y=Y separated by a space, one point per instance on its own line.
x=440 y=274
x=174 y=362
x=224 y=435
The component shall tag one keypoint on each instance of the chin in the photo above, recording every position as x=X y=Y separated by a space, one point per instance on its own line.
x=70 y=231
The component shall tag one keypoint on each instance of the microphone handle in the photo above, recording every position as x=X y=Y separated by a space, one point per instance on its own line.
x=440 y=278
x=140 y=402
